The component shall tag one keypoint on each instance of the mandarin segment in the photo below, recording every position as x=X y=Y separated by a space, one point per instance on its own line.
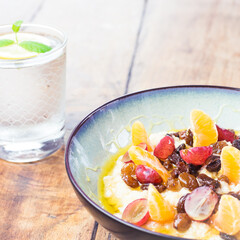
x=159 y=209
x=203 y=128
x=139 y=135
x=227 y=218
x=142 y=157
x=230 y=163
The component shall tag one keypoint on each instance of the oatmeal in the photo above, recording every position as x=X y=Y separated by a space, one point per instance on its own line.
x=184 y=183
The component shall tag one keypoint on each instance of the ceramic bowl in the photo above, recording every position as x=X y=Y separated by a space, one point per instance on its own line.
x=105 y=130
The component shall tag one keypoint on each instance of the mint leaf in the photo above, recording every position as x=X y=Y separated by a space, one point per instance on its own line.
x=6 y=42
x=35 y=46
x=16 y=26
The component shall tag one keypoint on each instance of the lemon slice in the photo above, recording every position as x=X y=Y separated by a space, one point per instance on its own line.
x=14 y=52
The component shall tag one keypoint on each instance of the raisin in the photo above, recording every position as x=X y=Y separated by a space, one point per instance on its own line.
x=187 y=136
x=218 y=146
x=205 y=180
x=224 y=178
x=175 y=134
x=128 y=175
x=175 y=158
x=173 y=184
x=175 y=173
x=214 y=163
x=236 y=143
x=236 y=195
x=225 y=236
x=182 y=222
x=167 y=164
x=180 y=147
x=182 y=167
x=193 y=169
x=144 y=186
x=160 y=187
x=180 y=205
x=188 y=181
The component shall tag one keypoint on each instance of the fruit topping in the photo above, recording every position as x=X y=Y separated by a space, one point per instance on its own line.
x=213 y=163
x=193 y=169
x=200 y=203
x=142 y=157
x=227 y=218
x=159 y=209
x=236 y=144
x=139 y=135
x=136 y=212
x=143 y=146
x=225 y=236
x=180 y=205
x=126 y=158
x=182 y=222
x=187 y=135
x=167 y=164
x=182 y=167
x=175 y=158
x=147 y=175
x=196 y=155
x=203 y=128
x=236 y=195
x=160 y=187
x=188 y=181
x=180 y=147
x=225 y=134
x=175 y=173
x=230 y=163
x=173 y=184
x=223 y=178
x=218 y=146
x=128 y=174
x=205 y=180
x=164 y=148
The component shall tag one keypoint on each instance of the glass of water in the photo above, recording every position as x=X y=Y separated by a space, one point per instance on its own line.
x=32 y=94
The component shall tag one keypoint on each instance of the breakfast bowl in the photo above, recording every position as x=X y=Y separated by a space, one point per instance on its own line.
x=105 y=131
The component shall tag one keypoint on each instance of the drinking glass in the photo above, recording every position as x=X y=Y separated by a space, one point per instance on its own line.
x=32 y=99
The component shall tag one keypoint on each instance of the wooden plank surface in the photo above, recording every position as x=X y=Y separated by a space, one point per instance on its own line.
x=188 y=42
x=114 y=47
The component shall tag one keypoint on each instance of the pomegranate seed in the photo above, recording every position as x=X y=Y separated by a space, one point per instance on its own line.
x=164 y=148
x=196 y=155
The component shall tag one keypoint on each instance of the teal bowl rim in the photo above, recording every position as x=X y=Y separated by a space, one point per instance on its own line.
x=77 y=128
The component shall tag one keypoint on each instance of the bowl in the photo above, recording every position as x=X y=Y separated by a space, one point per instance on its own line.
x=99 y=136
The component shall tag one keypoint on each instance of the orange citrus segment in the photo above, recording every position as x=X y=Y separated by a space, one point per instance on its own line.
x=142 y=157
x=159 y=209
x=139 y=135
x=230 y=163
x=204 y=129
x=227 y=218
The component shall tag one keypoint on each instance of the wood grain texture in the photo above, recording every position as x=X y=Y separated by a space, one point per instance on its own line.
x=188 y=42
x=38 y=200
x=101 y=38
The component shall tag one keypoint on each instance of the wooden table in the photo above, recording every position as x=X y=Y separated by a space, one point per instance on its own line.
x=114 y=47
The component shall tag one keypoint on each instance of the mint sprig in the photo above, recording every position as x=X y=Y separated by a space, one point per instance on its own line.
x=31 y=46
x=35 y=46
x=6 y=42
